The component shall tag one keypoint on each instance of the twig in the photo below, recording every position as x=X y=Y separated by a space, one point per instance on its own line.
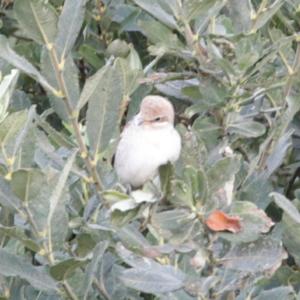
x=69 y=291
x=73 y=115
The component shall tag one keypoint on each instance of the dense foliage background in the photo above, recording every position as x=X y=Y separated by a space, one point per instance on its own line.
x=73 y=72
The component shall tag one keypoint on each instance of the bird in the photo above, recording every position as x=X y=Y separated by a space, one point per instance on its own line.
x=148 y=141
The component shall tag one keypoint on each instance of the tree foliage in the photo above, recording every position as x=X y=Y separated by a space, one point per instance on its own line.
x=72 y=73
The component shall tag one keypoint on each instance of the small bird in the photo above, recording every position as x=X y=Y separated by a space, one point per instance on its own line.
x=147 y=142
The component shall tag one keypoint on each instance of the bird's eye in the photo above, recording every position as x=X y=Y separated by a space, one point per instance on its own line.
x=157 y=119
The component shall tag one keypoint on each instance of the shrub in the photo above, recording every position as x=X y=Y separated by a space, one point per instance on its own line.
x=73 y=72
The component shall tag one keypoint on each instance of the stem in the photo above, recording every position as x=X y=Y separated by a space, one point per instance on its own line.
x=193 y=43
x=69 y=291
x=283 y=58
x=295 y=68
x=101 y=289
x=73 y=115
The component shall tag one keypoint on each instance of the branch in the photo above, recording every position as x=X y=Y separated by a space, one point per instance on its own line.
x=73 y=116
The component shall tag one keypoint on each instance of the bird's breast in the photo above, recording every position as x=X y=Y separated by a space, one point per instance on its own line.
x=142 y=150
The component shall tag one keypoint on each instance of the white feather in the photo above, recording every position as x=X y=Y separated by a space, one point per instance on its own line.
x=143 y=149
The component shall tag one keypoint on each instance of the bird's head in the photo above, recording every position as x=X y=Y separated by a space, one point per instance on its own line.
x=155 y=112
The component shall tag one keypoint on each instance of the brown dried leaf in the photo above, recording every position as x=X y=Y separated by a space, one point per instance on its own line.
x=219 y=221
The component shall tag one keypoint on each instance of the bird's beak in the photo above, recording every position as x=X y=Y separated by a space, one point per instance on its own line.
x=138 y=120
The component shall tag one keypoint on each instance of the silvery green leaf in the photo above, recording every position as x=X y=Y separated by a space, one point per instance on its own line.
x=103 y=92
x=287 y=206
x=140 y=196
x=38 y=19
x=158 y=10
x=258 y=256
x=8 y=54
x=93 y=266
x=13 y=265
x=124 y=205
x=7 y=87
x=69 y=25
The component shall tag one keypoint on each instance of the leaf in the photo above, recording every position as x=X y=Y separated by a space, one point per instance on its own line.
x=202 y=18
x=278 y=154
x=13 y=265
x=148 y=276
x=36 y=190
x=193 y=8
x=10 y=128
x=38 y=19
x=21 y=137
x=266 y=15
x=103 y=92
x=291 y=236
x=176 y=225
x=190 y=191
x=254 y=222
x=65 y=268
x=7 y=87
x=70 y=77
x=18 y=234
x=56 y=196
x=219 y=221
x=222 y=172
x=240 y=14
x=249 y=129
x=276 y=293
x=162 y=36
x=287 y=206
x=131 y=237
x=157 y=10
x=131 y=71
x=265 y=254
x=93 y=266
x=7 y=197
x=21 y=63
x=69 y=25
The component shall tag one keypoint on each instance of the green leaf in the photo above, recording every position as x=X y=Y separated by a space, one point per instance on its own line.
x=203 y=18
x=158 y=10
x=249 y=129
x=193 y=8
x=39 y=193
x=162 y=36
x=277 y=293
x=69 y=25
x=7 y=197
x=103 y=92
x=131 y=237
x=18 y=234
x=279 y=151
x=56 y=196
x=131 y=70
x=154 y=279
x=222 y=171
x=14 y=129
x=70 y=77
x=21 y=63
x=262 y=255
x=38 y=19
x=7 y=87
x=149 y=276
x=13 y=265
x=66 y=268
x=291 y=236
x=93 y=266
x=21 y=137
x=287 y=206
x=266 y=15
x=240 y=14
